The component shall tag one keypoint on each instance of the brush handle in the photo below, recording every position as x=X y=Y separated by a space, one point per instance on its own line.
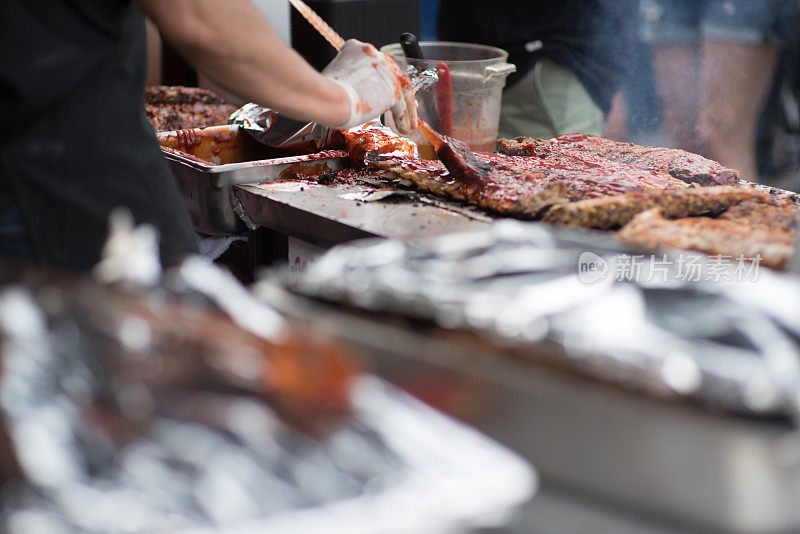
x=430 y=134
x=319 y=24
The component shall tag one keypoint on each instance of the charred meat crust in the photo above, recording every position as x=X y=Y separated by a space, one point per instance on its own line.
x=711 y=236
x=526 y=197
x=170 y=108
x=525 y=186
x=685 y=166
x=592 y=182
x=616 y=211
x=159 y=95
x=779 y=215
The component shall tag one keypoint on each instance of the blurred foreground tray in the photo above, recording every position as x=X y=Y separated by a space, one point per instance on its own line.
x=672 y=459
x=724 y=456
x=154 y=411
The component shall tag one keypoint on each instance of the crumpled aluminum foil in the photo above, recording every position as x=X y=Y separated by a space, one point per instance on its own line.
x=422 y=79
x=730 y=344
x=101 y=451
x=113 y=427
x=267 y=126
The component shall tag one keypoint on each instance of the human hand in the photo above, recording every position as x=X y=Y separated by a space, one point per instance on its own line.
x=374 y=83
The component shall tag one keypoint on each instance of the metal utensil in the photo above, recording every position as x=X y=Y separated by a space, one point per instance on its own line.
x=410 y=45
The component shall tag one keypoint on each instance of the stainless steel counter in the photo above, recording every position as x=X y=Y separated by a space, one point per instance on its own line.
x=333 y=214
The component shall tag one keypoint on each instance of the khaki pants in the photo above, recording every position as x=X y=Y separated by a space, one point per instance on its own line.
x=549 y=101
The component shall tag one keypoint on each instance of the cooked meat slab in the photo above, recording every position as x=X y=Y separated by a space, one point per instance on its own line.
x=778 y=215
x=159 y=95
x=508 y=189
x=712 y=236
x=372 y=140
x=563 y=155
x=680 y=164
x=523 y=186
x=613 y=212
x=175 y=108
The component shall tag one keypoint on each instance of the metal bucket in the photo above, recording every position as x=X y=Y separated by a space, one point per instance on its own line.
x=478 y=74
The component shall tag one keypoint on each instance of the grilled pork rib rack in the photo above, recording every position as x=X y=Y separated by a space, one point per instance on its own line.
x=172 y=108
x=682 y=165
x=574 y=192
x=656 y=196
x=613 y=212
x=725 y=237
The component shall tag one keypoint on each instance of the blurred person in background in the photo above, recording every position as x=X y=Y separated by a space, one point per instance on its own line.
x=714 y=62
x=778 y=138
x=74 y=139
x=570 y=57
x=634 y=115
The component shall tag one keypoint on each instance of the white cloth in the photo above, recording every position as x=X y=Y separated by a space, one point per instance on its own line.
x=212 y=246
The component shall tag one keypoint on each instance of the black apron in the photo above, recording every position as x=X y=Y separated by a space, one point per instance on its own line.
x=74 y=139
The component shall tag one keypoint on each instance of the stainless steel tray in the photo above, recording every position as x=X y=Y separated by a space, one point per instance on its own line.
x=207 y=187
x=671 y=460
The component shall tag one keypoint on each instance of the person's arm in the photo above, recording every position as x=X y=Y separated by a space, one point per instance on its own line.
x=233 y=45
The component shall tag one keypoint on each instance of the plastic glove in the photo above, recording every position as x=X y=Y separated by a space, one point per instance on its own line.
x=374 y=83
